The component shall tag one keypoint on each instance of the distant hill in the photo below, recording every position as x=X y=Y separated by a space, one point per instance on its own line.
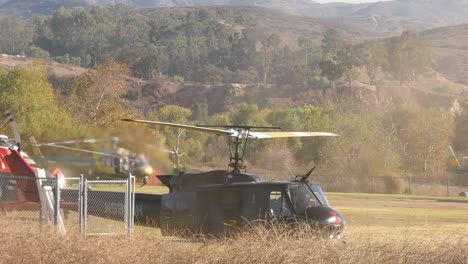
x=385 y=18
x=394 y=16
x=27 y=8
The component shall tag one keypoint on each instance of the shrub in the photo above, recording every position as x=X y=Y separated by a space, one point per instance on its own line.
x=394 y=183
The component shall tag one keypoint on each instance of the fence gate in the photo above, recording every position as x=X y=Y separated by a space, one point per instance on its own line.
x=107 y=207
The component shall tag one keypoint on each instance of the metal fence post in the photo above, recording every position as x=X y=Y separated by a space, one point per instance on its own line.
x=131 y=204
x=41 y=216
x=133 y=201
x=80 y=203
x=127 y=204
x=85 y=206
x=448 y=187
x=409 y=185
x=57 y=199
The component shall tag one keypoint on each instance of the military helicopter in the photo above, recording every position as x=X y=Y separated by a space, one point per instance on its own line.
x=222 y=201
x=108 y=162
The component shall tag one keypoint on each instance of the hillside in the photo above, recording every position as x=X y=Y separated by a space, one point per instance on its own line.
x=288 y=26
x=430 y=90
x=449 y=48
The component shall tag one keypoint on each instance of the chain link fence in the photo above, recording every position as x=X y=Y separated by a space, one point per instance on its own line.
x=71 y=204
x=432 y=186
x=31 y=199
x=108 y=207
x=19 y=198
x=396 y=185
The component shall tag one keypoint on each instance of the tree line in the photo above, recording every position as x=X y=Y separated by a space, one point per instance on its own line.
x=216 y=47
x=374 y=140
x=208 y=46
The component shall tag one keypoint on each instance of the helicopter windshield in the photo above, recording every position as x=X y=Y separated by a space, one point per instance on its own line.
x=139 y=161
x=303 y=198
x=319 y=193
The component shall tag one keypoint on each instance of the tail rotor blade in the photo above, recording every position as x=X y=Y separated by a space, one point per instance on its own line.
x=12 y=122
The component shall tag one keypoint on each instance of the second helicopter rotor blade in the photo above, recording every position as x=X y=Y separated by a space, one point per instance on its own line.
x=195 y=128
x=69 y=142
x=81 y=150
x=264 y=135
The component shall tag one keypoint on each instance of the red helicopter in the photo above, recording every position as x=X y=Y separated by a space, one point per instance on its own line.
x=18 y=185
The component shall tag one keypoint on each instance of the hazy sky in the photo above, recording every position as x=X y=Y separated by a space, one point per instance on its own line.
x=349 y=1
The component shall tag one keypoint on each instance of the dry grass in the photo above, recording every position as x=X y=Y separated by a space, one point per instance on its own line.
x=381 y=229
x=20 y=242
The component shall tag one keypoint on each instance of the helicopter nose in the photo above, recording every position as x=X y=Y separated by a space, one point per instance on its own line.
x=147 y=170
x=143 y=171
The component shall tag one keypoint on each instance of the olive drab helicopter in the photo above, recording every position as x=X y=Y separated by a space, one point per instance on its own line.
x=222 y=201
x=107 y=162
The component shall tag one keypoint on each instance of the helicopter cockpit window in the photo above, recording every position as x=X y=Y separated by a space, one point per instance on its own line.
x=107 y=161
x=138 y=161
x=278 y=205
x=319 y=193
x=142 y=160
x=303 y=198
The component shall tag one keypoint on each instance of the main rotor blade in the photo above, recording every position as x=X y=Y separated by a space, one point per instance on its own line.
x=195 y=128
x=262 y=135
x=81 y=150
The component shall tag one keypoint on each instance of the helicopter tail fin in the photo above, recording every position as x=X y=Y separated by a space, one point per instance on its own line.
x=453 y=161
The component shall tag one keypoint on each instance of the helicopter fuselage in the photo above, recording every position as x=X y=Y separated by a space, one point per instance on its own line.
x=218 y=203
x=218 y=208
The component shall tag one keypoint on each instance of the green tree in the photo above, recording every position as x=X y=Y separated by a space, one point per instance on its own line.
x=16 y=36
x=332 y=41
x=350 y=61
x=268 y=43
x=184 y=144
x=373 y=56
x=423 y=137
x=29 y=95
x=331 y=67
x=461 y=128
x=248 y=115
x=407 y=57
x=95 y=96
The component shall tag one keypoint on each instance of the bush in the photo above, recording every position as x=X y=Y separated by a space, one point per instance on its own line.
x=394 y=183
x=37 y=52
x=178 y=79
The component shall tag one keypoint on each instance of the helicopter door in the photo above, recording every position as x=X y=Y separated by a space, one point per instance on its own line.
x=176 y=213
x=279 y=207
x=218 y=212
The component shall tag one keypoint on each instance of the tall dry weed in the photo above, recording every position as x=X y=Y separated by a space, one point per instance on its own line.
x=26 y=242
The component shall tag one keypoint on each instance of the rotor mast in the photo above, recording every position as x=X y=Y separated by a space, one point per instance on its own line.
x=236 y=161
x=237 y=144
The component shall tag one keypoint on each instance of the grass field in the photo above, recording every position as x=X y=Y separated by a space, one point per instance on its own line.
x=380 y=229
